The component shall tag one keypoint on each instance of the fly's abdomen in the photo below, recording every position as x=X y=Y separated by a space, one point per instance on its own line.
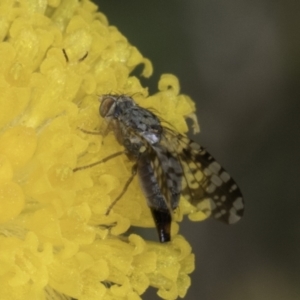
x=155 y=200
x=149 y=183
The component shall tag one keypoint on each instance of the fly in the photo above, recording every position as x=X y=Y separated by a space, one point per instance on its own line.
x=168 y=165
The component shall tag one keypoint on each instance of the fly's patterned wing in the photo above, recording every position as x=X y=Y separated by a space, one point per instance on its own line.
x=168 y=172
x=204 y=178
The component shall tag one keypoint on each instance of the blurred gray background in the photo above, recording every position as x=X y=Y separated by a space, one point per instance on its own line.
x=240 y=62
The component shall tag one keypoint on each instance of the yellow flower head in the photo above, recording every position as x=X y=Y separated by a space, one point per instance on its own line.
x=57 y=58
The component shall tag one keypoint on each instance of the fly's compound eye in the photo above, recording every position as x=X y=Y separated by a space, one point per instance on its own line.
x=107 y=107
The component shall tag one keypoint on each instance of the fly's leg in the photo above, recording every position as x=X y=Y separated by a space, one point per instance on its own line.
x=100 y=161
x=107 y=158
x=90 y=132
x=133 y=173
x=133 y=170
x=102 y=132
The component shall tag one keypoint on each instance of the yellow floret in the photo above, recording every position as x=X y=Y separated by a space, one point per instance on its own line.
x=57 y=57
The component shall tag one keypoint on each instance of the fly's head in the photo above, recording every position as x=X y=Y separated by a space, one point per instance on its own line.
x=112 y=106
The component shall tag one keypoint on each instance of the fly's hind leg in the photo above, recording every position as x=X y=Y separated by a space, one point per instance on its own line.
x=133 y=173
x=133 y=170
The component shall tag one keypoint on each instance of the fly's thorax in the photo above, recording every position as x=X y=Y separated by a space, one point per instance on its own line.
x=142 y=122
x=132 y=123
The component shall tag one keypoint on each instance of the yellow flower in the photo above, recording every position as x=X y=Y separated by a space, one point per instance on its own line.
x=57 y=56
